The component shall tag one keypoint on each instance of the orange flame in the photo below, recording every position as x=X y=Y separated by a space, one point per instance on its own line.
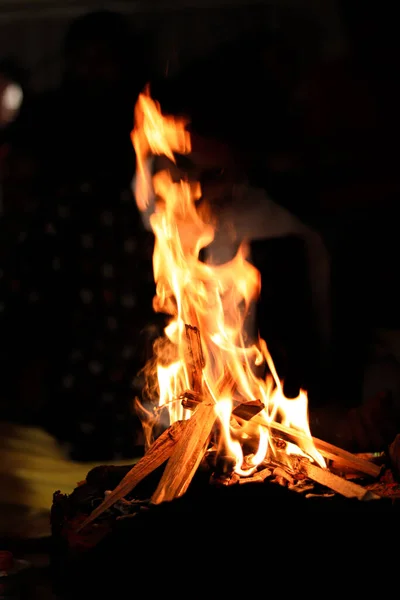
x=211 y=300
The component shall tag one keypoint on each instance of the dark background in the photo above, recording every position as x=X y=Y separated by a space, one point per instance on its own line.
x=181 y=31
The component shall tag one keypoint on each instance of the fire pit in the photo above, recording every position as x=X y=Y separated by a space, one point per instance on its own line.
x=223 y=443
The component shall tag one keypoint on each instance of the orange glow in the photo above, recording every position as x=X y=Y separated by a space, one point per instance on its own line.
x=210 y=302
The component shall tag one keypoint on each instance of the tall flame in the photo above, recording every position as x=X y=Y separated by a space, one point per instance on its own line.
x=205 y=350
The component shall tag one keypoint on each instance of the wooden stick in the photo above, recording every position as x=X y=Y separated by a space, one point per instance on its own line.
x=156 y=455
x=259 y=476
x=248 y=410
x=347 y=460
x=339 y=455
x=187 y=455
x=280 y=472
x=327 y=450
x=346 y=488
x=190 y=398
x=195 y=362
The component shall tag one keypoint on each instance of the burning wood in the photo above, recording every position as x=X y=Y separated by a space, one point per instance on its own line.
x=195 y=362
x=189 y=452
x=283 y=475
x=342 y=458
x=247 y=410
x=190 y=399
x=346 y=488
x=184 y=444
x=259 y=476
x=157 y=454
x=329 y=451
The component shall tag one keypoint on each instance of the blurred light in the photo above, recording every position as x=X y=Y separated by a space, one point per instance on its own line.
x=12 y=97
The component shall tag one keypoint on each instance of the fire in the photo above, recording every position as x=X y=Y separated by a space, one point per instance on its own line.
x=205 y=354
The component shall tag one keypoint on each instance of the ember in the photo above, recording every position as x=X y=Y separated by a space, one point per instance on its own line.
x=218 y=398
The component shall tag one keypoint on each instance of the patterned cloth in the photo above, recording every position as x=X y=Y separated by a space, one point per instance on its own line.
x=76 y=297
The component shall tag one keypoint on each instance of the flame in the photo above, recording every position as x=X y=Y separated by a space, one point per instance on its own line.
x=206 y=351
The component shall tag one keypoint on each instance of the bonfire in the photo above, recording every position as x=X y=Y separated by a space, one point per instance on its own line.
x=212 y=390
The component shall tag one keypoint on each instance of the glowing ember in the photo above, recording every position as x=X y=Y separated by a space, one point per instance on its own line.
x=203 y=355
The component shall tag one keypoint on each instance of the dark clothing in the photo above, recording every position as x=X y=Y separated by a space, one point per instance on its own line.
x=77 y=289
x=77 y=292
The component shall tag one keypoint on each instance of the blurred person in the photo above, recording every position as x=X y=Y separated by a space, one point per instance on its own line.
x=82 y=127
x=77 y=287
x=18 y=165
